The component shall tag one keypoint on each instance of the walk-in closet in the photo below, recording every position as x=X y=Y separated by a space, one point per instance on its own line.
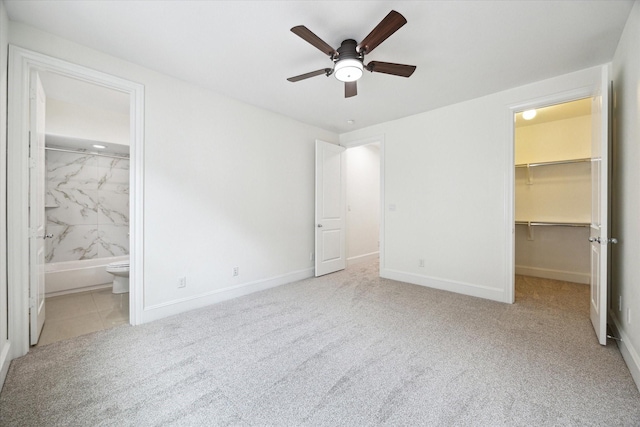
x=553 y=192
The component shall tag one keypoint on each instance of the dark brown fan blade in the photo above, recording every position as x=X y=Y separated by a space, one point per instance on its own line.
x=390 y=68
x=350 y=89
x=325 y=71
x=389 y=25
x=314 y=40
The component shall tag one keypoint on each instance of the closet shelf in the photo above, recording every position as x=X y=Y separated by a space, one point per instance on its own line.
x=553 y=224
x=528 y=166
x=556 y=162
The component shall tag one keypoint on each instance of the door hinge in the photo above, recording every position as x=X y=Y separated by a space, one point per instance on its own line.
x=32 y=163
x=32 y=303
x=32 y=93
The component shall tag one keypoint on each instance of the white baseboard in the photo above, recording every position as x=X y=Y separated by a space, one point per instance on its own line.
x=362 y=258
x=171 y=308
x=629 y=353
x=470 y=289
x=547 y=273
x=5 y=361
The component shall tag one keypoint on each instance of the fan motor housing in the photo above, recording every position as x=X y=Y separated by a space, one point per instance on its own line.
x=347 y=50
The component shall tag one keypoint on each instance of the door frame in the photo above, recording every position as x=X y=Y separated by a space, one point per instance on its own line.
x=512 y=110
x=21 y=63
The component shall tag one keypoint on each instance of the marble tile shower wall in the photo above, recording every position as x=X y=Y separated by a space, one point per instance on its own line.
x=87 y=209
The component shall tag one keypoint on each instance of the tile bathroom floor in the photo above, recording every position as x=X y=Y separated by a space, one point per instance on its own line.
x=72 y=315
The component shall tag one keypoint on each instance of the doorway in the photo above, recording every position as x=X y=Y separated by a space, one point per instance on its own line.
x=22 y=63
x=553 y=192
x=86 y=205
x=351 y=177
x=599 y=92
x=363 y=202
x=561 y=204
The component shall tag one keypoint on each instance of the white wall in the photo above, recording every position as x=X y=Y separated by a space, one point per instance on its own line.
x=226 y=184
x=4 y=343
x=363 y=202
x=626 y=197
x=554 y=253
x=447 y=183
x=557 y=193
x=84 y=122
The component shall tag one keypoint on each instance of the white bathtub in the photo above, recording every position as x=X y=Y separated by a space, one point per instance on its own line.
x=76 y=276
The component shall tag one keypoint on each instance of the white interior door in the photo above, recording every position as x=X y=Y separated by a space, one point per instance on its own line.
x=330 y=208
x=36 y=208
x=599 y=237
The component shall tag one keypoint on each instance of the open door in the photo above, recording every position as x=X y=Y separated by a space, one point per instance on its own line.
x=330 y=208
x=37 y=224
x=599 y=237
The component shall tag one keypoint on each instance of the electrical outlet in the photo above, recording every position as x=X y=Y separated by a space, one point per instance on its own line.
x=182 y=282
x=236 y=271
x=421 y=262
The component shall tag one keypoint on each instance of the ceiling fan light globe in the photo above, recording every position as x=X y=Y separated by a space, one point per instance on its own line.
x=348 y=70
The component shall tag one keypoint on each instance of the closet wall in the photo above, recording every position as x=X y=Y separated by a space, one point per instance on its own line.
x=553 y=194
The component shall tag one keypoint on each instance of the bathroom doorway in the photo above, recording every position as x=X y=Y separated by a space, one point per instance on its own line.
x=21 y=293
x=86 y=175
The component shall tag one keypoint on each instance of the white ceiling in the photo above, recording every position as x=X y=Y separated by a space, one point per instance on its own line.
x=244 y=49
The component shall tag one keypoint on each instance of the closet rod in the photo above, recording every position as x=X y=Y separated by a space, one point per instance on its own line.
x=558 y=162
x=86 y=152
x=554 y=224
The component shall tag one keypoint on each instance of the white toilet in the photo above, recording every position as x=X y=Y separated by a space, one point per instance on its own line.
x=120 y=271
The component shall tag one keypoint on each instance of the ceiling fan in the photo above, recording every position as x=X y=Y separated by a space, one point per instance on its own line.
x=348 y=59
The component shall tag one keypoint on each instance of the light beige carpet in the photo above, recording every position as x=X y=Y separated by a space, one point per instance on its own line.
x=346 y=349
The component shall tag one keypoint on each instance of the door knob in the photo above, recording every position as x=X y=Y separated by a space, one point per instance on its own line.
x=48 y=236
x=319 y=225
x=613 y=240
x=594 y=239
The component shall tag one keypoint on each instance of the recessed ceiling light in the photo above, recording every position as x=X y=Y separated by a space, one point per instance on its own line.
x=99 y=146
x=529 y=114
